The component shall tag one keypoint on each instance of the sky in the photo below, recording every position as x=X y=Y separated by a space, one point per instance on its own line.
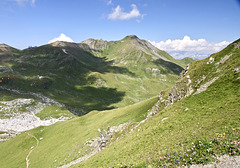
x=193 y=28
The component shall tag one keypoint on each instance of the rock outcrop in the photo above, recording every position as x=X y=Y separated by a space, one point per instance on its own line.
x=100 y=142
x=96 y=44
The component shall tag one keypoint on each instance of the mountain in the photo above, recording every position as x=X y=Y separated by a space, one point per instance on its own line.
x=6 y=52
x=62 y=80
x=193 y=122
x=92 y=75
x=6 y=49
x=185 y=61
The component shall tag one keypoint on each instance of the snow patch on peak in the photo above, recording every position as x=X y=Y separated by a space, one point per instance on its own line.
x=62 y=37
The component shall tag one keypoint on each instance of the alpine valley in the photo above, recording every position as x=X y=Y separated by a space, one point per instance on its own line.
x=117 y=104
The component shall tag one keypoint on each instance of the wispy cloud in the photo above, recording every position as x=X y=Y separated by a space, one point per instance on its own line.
x=23 y=2
x=109 y=2
x=187 y=47
x=119 y=14
x=145 y=5
x=62 y=37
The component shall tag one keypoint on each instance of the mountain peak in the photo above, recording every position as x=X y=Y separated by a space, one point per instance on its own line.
x=7 y=48
x=62 y=44
x=58 y=43
x=131 y=37
x=96 y=44
x=3 y=45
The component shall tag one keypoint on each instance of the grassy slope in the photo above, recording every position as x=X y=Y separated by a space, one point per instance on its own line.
x=54 y=111
x=205 y=116
x=62 y=141
x=193 y=118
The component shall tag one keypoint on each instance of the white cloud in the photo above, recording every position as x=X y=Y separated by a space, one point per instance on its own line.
x=62 y=37
x=187 y=47
x=119 y=14
x=22 y=2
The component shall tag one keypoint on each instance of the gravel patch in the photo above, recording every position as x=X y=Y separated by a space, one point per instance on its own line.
x=25 y=121
x=20 y=114
x=40 y=96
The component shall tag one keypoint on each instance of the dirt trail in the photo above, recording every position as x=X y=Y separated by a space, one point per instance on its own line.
x=32 y=148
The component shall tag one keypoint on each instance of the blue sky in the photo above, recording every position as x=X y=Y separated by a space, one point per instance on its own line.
x=26 y=23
